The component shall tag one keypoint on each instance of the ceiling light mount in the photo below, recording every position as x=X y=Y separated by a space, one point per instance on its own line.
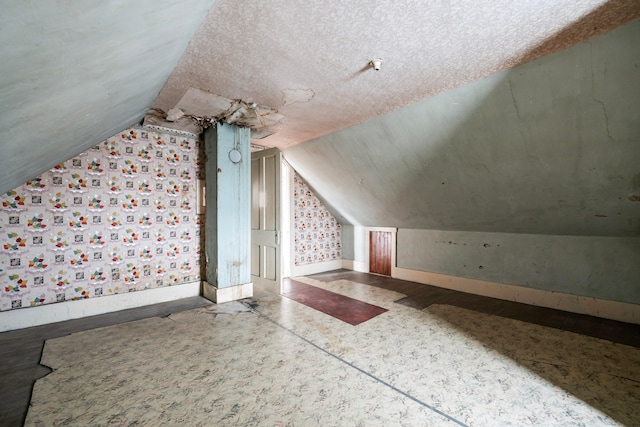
x=375 y=64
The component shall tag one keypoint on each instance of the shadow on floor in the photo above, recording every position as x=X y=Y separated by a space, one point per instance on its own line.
x=421 y=296
x=605 y=379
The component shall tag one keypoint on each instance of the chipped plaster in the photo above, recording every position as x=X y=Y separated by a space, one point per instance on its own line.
x=291 y=96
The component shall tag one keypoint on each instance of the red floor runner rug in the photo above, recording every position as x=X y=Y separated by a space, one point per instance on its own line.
x=347 y=309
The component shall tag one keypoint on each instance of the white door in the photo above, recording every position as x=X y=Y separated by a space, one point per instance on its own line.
x=265 y=220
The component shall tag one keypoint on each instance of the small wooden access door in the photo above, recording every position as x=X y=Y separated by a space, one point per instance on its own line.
x=380 y=252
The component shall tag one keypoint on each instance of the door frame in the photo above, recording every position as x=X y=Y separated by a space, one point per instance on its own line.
x=286 y=218
x=259 y=281
x=394 y=233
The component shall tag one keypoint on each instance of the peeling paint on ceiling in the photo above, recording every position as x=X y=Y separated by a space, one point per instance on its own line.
x=291 y=96
x=197 y=110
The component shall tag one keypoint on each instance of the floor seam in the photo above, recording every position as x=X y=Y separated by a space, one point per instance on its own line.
x=351 y=365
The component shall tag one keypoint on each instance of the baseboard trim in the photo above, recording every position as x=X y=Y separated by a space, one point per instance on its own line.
x=614 y=310
x=359 y=266
x=59 y=312
x=320 y=267
x=231 y=293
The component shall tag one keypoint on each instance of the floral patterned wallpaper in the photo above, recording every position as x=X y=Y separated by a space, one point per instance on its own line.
x=119 y=217
x=317 y=236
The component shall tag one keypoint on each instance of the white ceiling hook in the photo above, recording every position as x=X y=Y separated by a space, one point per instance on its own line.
x=375 y=64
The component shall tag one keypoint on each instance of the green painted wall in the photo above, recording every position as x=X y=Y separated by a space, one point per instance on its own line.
x=75 y=73
x=348 y=249
x=600 y=267
x=548 y=149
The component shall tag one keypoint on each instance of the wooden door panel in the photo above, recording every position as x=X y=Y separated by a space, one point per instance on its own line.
x=271 y=182
x=255 y=260
x=255 y=194
x=380 y=252
x=270 y=263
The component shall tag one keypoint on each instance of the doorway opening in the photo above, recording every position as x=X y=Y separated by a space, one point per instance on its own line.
x=271 y=219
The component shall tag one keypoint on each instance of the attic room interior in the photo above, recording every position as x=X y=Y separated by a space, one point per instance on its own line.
x=290 y=213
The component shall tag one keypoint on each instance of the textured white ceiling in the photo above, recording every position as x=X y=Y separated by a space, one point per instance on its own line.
x=310 y=60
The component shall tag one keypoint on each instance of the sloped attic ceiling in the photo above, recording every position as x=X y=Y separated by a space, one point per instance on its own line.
x=548 y=147
x=76 y=73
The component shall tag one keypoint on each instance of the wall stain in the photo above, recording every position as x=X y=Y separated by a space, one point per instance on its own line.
x=634 y=197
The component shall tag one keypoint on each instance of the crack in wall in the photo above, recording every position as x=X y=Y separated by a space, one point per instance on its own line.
x=606 y=117
x=522 y=133
x=513 y=97
x=593 y=94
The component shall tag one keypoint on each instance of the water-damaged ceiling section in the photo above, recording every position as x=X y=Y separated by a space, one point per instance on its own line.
x=197 y=110
x=75 y=73
x=549 y=147
x=310 y=60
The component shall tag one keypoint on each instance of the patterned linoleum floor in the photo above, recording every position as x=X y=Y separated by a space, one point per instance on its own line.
x=285 y=364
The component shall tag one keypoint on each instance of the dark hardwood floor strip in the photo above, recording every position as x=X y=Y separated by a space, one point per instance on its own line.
x=349 y=310
x=421 y=296
x=20 y=351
